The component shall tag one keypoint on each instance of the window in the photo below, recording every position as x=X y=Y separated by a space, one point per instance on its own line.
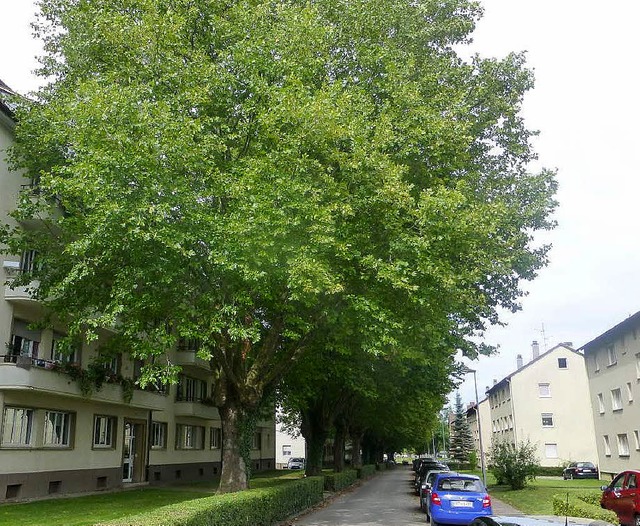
x=21 y=346
x=189 y=437
x=616 y=399
x=158 y=435
x=63 y=353
x=103 y=431
x=596 y=364
x=257 y=440
x=191 y=389
x=28 y=261
x=607 y=445
x=286 y=450
x=551 y=450
x=638 y=366
x=17 y=425
x=544 y=390
x=57 y=429
x=547 y=419
x=636 y=436
x=601 y=403
x=562 y=363
x=611 y=355
x=215 y=438
x=623 y=445
x=629 y=393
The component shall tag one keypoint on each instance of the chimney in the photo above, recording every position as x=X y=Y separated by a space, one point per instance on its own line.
x=535 y=350
x=519 y=361
x=568 y=344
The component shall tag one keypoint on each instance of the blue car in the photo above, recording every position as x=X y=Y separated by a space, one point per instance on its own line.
x=458 y=499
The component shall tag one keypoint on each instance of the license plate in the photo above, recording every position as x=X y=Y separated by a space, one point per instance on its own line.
x=461 y=504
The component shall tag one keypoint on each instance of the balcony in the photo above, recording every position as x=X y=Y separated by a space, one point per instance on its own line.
x=189 y=358
x=196 y=410
x=52 y=212
x=20 y=295
x=37 y=375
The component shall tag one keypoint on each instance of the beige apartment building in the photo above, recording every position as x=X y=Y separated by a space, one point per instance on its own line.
x=483 y=412
x=613 y=368
x=546 y=402
x=55 y=436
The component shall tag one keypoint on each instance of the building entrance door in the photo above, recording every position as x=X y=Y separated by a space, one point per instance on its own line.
x=128 y=451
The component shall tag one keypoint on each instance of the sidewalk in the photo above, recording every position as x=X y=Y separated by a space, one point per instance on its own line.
x=502 y=508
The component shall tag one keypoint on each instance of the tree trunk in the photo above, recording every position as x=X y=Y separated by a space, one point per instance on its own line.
x=234 y=470
x=356 y=447
x=338 y=446
x=314 y=429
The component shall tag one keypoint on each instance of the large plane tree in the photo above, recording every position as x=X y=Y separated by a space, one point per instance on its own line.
x=246 y=172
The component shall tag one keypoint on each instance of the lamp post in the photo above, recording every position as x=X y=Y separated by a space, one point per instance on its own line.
x=466 y=370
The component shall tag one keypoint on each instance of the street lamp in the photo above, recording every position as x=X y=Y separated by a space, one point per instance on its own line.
x=466 y=370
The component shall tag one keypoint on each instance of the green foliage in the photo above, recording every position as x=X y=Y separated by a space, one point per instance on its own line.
x=366 y=471
x=341 y=480
x=513 y=465
x=461 y=443
x=586 y=504
x=549 y=471
x=258 y=507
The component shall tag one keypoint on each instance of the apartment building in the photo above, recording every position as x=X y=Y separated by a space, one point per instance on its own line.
x=288 y=445
x=546 y=402
x=613 y=369
x=60 y=432
x=480 y=425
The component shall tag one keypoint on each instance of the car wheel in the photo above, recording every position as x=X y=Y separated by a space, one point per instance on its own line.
x=571 y=476
x=564 y=476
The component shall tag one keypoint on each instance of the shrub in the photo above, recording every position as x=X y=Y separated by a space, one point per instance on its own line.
x=338 y=481
x=257 y=507
x=514 y=465
x=553 y=471
x=366 y=471
x=582 y=504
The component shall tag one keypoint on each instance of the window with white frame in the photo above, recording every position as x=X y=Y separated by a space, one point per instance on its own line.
x=601 y=403
x=189 y=437
x=551 y=450
x=28 y=261
x=636 y=436
x=215 y=438
x=562 y=363
x=17 y=425
x=629 y=392
x=191 y=389
x=63 y=353
x=616 y=399
x=612 y=357
x=623 y=445
x=158 y=435
x=596 y=364
x=547 y=419
x=104 y=431
x=607 y=445
x=638 y=366
x=57 y=429
x=544 y=390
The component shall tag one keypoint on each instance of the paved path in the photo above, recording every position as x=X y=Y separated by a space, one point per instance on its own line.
x=385 y=500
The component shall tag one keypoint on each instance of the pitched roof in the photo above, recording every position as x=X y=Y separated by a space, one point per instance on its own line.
x=6 y=106
x=507 y=378
x=613 y=333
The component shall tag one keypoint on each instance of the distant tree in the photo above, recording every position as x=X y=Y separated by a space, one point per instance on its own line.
x=461 y=444
x=513 y=464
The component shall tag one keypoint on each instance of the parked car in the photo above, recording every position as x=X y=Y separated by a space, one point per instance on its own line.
x=295 y=463
x=581 y=470
x=458 y=499
x=425 y=488
x=425 y=467
x=623 y=497
x=522 y=520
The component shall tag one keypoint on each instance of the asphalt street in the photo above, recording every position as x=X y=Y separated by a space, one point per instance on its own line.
x=385 y=500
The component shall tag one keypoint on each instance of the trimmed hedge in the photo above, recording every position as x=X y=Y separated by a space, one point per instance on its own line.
x=549 y=471
x=258 y=507
x=582 y=504
x=338 y=481
x=366 y=471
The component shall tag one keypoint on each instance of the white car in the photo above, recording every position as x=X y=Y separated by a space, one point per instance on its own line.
x=295 y=463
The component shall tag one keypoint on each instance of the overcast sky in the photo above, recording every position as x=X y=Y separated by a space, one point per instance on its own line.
x=585 y=105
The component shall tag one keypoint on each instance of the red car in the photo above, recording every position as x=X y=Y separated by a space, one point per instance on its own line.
x=623 y=497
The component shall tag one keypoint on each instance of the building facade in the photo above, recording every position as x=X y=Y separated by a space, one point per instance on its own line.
x=62 y=433
x=613 y=368
x=545 y=402
x=288 y=446
x=480 y=425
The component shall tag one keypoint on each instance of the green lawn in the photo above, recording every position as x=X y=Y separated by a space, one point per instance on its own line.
x=536 y=498
x=86 y=511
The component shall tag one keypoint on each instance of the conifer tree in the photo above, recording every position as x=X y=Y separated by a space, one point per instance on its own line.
x=461 y=443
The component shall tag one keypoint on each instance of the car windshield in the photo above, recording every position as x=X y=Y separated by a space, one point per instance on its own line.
x=585 y=465
x=470 y=485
